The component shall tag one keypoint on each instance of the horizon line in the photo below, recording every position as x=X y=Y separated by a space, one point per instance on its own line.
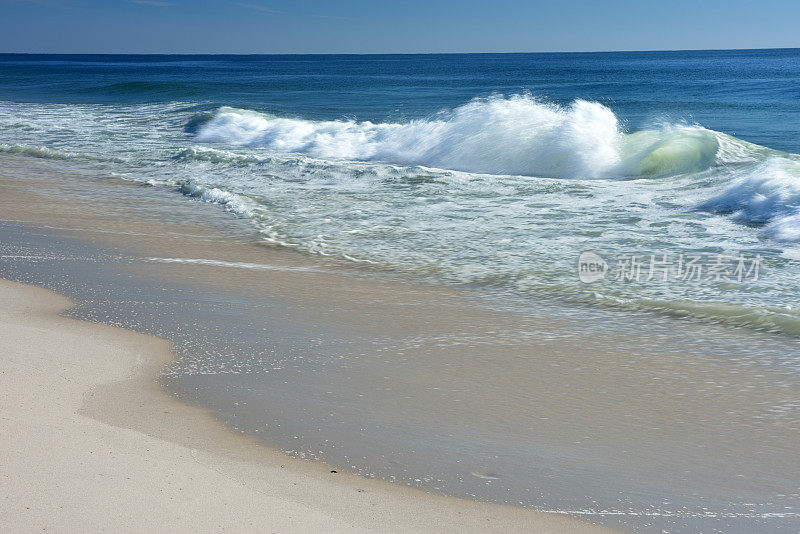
x=390 y=53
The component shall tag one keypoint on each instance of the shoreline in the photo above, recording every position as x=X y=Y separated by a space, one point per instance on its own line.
x=392 y=380
x=97 y=442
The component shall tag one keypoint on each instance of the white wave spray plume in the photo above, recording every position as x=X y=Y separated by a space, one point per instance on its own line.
x=517 y=135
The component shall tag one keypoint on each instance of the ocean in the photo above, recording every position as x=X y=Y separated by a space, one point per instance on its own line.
x=493 y=170
x=646 y=184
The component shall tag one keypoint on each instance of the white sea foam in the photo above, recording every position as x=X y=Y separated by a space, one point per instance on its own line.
x=235 y=203
x=765 y=193
x=518 y=135
x=232 y=264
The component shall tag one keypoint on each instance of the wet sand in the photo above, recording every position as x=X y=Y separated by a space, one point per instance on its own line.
x=170 y=465
x=634 y=422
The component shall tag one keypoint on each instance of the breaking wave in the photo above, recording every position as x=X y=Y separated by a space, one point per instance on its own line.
x=517 y=135
x=520 y=135
x=764 y=193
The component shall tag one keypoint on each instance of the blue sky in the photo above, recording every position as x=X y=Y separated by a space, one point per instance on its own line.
x=360 y=26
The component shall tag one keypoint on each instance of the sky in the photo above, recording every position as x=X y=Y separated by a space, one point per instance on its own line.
x=379 y=26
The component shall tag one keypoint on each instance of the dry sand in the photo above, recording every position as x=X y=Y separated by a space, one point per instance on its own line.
x=91 y=443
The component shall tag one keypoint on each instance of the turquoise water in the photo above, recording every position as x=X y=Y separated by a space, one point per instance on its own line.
x=494 y=171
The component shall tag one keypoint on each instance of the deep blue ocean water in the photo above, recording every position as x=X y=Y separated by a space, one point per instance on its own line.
x=752 y=94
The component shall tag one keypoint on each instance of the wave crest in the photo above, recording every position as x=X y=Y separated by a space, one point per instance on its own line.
x=515 y=135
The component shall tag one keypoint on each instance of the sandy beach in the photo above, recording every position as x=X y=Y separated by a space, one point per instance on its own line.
x=66 y=468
